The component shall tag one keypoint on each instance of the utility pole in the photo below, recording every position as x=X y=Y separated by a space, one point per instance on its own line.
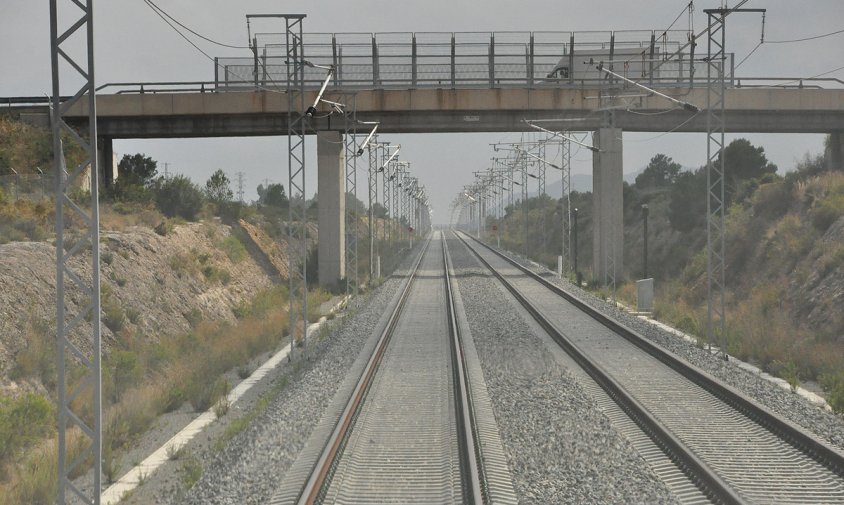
x=645 y=245
x=716 y=61
x=240 y=179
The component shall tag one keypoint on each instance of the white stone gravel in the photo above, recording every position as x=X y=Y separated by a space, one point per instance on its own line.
x=250 y=467
x=560 y=446
x=826 y=425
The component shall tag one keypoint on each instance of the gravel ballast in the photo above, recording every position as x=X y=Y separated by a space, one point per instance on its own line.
x=249 y=468
x=826 y=425
x=560 y=446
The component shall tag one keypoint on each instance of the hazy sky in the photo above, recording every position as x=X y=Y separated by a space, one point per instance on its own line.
x=133 y=44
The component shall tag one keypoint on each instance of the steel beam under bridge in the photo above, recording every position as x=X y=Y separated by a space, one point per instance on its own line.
x=248 y=113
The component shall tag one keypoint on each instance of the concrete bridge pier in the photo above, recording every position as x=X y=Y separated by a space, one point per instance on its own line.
x=835 y=151
x=331 y=189
x=106 y=162
x=607 y=205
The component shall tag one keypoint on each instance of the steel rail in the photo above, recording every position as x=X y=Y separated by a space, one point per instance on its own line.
x=467 y=427
x=340 y=434
x=796 y=436
x=474 y=487
x=699 y=472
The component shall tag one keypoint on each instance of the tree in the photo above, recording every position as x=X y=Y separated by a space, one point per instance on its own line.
x=137 y=169
x=273 y=195
x=743 y=162
x=217 y=187
x=687 y=207
x=178 y=196
x=661 y=172
x=379 y=211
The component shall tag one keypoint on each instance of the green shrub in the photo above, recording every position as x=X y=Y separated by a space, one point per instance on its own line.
x=205 y=393
x=125 y=371
x=23 y=421
x=190 y=472
x=214 y=274
x=178 y=196
x=164 y=228
x=113 y=316
x=242 y=310
x=37 y=360
x=234 y=249
x=194 y=317
x=133 y=314
x=827 y=212
x=182 y=264
x=836 y=398
x=107 y=257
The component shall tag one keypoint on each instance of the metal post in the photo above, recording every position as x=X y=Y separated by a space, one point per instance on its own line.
x=372 y=181
x=492 y=60
x=297 y=224
x=255 y=62
x=525 y=200
x=413 y=69
x=566 y=202
x=571 y=58
x=453 y=62
x=715 y=223
x=651 y=60
x=351 y=149
x=574 y=233
x=376 y=71
x=89 y=385
x=388 y=199
x=645 y=242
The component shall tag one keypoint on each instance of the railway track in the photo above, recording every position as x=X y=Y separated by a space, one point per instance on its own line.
x=409 y=432
x=729 y=447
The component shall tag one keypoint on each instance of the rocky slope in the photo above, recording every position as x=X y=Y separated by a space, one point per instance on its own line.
x=152 y=286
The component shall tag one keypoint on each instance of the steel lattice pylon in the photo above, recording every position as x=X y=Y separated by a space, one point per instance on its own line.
x=540 y=165
x=387 y=195
x=715 y=222
x=297 y=225
x=372 y=183
x=565 y=164
x=70 y=326
x=350 y=144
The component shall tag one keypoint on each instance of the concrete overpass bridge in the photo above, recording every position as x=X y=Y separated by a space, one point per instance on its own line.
x=467 y=82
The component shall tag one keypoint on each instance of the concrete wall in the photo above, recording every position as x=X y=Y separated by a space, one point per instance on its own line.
x=607 y=203
x=331 y=187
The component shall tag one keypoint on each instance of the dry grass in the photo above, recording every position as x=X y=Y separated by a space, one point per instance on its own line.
x=181 y=368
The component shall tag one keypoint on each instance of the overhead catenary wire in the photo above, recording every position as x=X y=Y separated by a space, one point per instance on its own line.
x=153 y=6
x=815 y=37
x=159 y=12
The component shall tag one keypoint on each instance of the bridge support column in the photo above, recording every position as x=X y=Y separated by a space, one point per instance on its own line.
x=607 y=205
x=331 y=189
x=835 y=151
x=105 y=160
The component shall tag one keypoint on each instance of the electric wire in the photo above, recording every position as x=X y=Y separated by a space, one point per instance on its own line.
x=156 y=7
x=804 y=39
x=672 y=130
x=748 y=55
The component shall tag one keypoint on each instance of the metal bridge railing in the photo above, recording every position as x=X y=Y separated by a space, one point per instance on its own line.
x=466 y=60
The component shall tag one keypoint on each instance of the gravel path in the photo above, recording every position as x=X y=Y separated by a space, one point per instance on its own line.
x=560 y=446
x=824 y=424
x=250 y=467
